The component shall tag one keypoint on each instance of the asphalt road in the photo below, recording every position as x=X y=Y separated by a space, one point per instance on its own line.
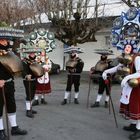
x=70 y=122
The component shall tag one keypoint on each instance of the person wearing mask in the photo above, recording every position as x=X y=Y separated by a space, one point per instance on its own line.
x=31 y=70
x=74 y=67
x=9 y=65
x=101 y=65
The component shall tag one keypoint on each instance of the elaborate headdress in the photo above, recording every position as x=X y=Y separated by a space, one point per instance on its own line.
x=44 y=39
x=126 y=30
x=9 y=34
x=38 y=41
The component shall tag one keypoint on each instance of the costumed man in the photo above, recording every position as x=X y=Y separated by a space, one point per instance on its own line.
x=129 y=68
x=74 y=67
x=9 y=65
x=41 y=40
x=31 y=70
x=43 y=85
x=101 y=65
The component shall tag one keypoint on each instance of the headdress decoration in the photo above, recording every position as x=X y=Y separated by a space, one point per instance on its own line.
x=103 y=51
x=126 y=30
x=10 y=33
x=73 y=49
x=38 y=41
x=42 y=38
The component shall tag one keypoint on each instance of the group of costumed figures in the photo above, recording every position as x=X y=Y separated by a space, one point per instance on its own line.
x=125 y=37
x=33 y=69
x=35 y=65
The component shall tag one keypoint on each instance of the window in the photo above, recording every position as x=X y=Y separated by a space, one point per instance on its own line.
x=107 y=40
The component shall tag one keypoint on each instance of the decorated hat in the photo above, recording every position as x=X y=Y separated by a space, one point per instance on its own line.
x=73 y=49
x=104 y=51
x=42 y=38
x=126 y=30
x=10 y=33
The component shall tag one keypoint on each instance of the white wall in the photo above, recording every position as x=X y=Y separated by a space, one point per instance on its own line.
x=89 y=57
x=57 y=54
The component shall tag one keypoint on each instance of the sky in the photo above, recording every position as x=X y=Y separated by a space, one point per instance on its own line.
x=104 y=1
x=113 y=9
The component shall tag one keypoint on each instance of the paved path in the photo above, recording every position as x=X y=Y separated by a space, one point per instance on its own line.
x=70 y=122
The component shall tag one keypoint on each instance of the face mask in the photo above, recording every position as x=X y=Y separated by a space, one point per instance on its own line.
x=103 y=58
x=32 y=57
x=73 y=56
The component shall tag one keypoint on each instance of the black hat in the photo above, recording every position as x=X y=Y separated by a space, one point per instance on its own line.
x=103 y=51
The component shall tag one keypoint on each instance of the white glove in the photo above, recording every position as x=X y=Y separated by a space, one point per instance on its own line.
x=110 y=71
x=104 y=75
x=128 y=77
x=124 y=81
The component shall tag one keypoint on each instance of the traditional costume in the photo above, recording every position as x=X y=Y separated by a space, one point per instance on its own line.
x=40 y=41
x=74 y=67
x=125 y=36
x=31 y=71
x=9 y=66
x=101 y=65
x=43 y=85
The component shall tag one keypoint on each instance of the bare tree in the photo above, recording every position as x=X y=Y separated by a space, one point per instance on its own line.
x=13 y=12
x=71 y=19
x=75 y=21
x=132 y=3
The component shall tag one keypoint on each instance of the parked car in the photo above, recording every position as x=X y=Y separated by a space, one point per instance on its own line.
x=113 y=62
x=55 y=68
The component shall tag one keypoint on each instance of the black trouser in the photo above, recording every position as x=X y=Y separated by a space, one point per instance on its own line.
x=73 y=79
x=103 y=86
x=10 y=98
x=30 y=87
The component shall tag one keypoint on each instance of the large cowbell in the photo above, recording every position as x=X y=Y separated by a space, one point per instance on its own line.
x=7 y=58
x=12 y=63
x=126 y=29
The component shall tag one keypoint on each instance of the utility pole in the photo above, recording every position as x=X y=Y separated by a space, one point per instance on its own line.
x=96 y=12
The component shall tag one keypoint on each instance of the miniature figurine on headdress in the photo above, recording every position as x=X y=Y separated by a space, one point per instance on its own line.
x=126 y=37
